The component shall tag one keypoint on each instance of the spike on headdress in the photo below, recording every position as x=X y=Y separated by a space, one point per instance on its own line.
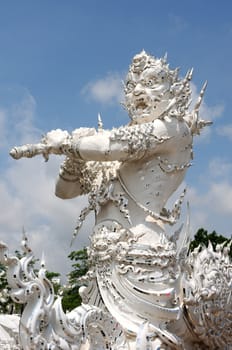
x=24 y=237
x=42 y=264
x=100 y=124
x=164 y=59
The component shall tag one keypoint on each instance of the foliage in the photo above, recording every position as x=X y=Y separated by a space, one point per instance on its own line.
x=7 y=305
x=5 y=300
x=80 y=266
x=202 y=237
x=71 y=297
x=54 y=278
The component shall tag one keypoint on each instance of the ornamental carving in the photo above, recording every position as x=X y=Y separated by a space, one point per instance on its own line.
x=143 y=290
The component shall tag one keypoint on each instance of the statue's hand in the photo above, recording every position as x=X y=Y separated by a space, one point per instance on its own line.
x=56 y=138
x=61 y=142
x=54 y=142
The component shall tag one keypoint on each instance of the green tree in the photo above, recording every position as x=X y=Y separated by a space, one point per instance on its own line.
x=71 y=297
x=54 y=277
x=6 y=304
x=202 y=237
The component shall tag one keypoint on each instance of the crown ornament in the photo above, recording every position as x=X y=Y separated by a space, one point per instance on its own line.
x=144 y=61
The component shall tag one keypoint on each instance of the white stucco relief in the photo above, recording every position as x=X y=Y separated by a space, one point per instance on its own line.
x=142 y=291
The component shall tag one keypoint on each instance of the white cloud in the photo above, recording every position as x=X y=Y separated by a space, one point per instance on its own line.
x=212 y=210
x=226 y=131
x=106 y=90
x=28 y=200
x=221 y=198
x=27 y=195
x=219 y=167
x=211 y=207
x=211 y=196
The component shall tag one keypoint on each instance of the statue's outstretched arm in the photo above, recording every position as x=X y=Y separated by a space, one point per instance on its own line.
x=83 y=145
x=122 y=144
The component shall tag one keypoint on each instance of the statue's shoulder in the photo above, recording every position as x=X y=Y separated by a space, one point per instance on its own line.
x=140 y=137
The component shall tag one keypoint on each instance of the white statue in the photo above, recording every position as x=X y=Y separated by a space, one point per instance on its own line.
x=139 y=282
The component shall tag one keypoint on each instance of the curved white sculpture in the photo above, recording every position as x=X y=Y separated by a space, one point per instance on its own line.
x=143 y=292
x=9 y=325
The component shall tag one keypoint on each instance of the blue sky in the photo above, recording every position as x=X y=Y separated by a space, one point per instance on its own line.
x=62 y=62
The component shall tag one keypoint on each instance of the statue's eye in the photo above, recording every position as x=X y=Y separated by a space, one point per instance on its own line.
x=150 y=82
x=162 y=75
x=130 y=86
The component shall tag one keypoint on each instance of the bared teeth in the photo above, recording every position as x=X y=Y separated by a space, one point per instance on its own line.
x=140 y=104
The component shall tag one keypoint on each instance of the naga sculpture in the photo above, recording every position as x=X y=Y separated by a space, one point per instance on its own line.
x=142 y=291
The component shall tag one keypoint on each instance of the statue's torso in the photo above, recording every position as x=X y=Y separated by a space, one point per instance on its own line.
x=147 y=183
x=150 y=183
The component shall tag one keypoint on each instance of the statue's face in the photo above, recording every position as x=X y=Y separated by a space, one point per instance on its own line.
x=147 y=94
